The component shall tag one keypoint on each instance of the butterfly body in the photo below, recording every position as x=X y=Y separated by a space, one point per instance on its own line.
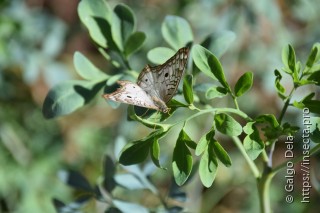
x=155 y=86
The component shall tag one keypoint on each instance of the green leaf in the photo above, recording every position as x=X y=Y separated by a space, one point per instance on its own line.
x=306 y=102
x=87 y=10
x=219 y=42
x=185 y=138
x=268 y=118
x=187 y=89
x=155 y=153
x=289 y=58
x=216 y=92
x=252 y=142
x=176 y=31
x=315 y=134
x=312 y=56
x=221 y=153
x=132 y=115
x=160 y=55
x=208 y=167
x=243 y=84
x=227 y=125
x=280 y=89
x=315 y=76
x=134 y=43
x=217 y=71
x=200 y=57
x=181 y=161
x=86 y=69
x=137 y=151
x=113 y=79
x=68 y=96
x=123 y=24
x=204 y=141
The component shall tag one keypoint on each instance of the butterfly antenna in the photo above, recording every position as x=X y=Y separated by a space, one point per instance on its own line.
x=144 y=113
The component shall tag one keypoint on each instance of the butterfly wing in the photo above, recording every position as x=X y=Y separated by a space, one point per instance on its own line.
x=162 y=81
x=131 y=93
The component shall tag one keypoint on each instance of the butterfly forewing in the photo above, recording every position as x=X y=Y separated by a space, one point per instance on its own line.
x=131 y=93
x=155 y=85
x=162 y=81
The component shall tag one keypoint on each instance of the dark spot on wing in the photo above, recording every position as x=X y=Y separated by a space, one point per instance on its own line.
x=129 y=96
x=166 y=75
x=146 y=80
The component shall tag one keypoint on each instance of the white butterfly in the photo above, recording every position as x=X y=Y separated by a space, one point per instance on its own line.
x=155 y=86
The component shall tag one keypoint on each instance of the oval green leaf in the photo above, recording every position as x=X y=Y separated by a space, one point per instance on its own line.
x=221 y=153
x=227 y=125
x=188 y=89
x=176 y=31
x=88 y=9
x=200 y=57
x=134 y=43
x=68 y=96
x=181 y=162
x=86 y=69
x=159 y=55
x=243 y=84
x=208 y=168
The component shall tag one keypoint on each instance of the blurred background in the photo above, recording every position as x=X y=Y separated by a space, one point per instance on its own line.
x=37 y=41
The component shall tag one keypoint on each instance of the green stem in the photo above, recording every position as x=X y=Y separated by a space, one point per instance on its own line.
x=250 y=162
x=234 y=98
x=264 y=192
x=285 y=107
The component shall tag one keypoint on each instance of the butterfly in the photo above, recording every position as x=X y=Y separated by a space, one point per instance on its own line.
x=155 y=85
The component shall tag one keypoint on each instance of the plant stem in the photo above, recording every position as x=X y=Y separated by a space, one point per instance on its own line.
x=252 y=165
x=264 y=192
x=285 y=107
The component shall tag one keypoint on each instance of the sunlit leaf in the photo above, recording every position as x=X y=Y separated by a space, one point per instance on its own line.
x=68 y=96
x=208 y=167
x=227 y=125
x=176 y=31
x=86 y=69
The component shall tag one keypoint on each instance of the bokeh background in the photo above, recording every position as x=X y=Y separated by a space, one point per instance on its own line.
x=37 y=41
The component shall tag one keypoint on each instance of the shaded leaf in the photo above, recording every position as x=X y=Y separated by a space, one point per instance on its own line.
x=134 y=43
x=221 y=153
x=217 y=71
x=188 y=89
x=243 y=84
x=280 y=89
x=181 y=161
x=75 y=180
